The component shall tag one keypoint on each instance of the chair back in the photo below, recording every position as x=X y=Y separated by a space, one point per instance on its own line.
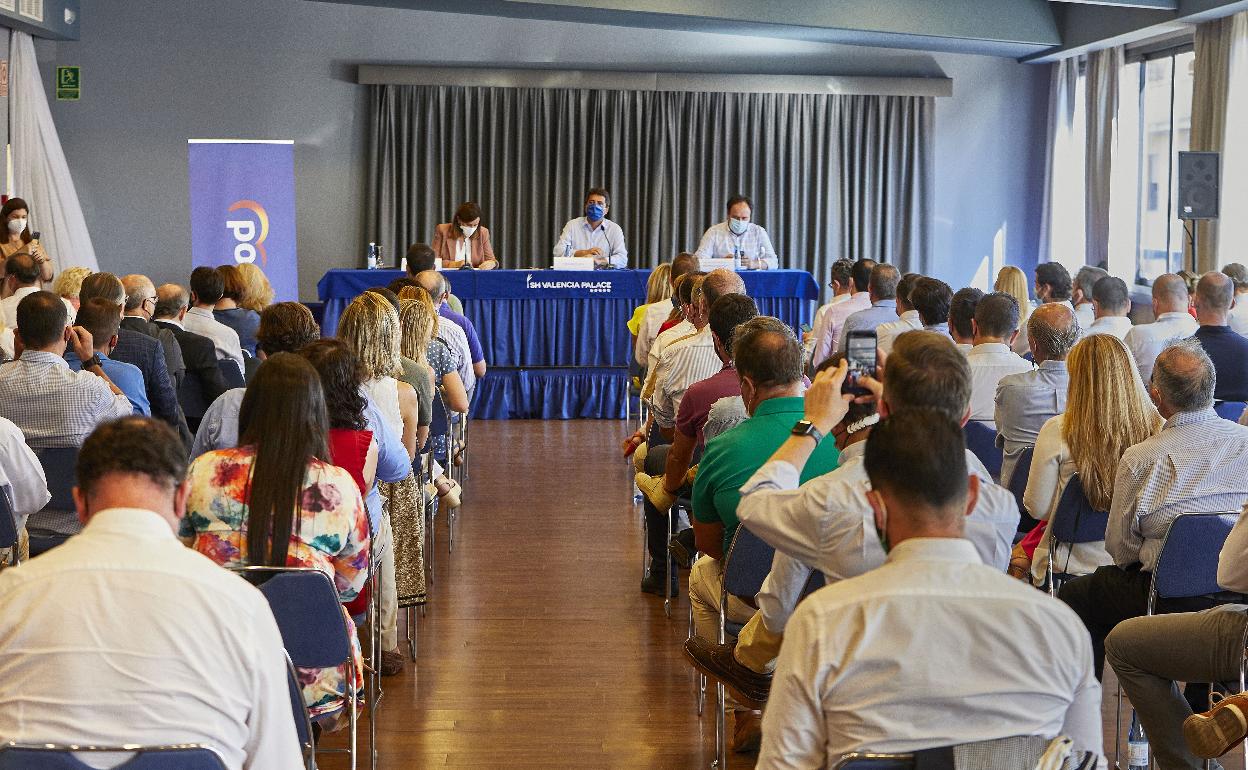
x=1074 y=519
x=747 y=563
x=8 y=522
x=1188 y=563
x=60 y=466
x=1018 y=486
x=191 y=756
x=251 y=365
x=982 y=441
x=230 y=373
x=303 y=720
x=440 y=424
x=865 y=761
x=309 y=617
x=1230 y=410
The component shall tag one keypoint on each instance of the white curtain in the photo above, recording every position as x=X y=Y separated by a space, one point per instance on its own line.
x=1233 y=225
x=1064 y=221
x=40 y=173
x=1104 y=69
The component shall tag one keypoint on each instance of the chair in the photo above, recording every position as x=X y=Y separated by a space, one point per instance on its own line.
x=982 y=441
x=1074 y=521
x=250 y=365
x=303 y=721
x=1018 y=485
x=8 y=528
x=305 y=605
x=1230 y=410
x=440 y=425
x=49 y=527
x=231 y=374
x=746 y=565
x=191 y=756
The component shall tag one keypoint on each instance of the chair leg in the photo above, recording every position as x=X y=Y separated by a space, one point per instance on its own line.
x=411 y=632
x=721 y=729
x=667 y=582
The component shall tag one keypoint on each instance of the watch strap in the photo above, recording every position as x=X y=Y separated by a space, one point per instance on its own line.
x=807 y=428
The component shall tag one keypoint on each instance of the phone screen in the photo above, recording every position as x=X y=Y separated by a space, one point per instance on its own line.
x=806 y=328
x=860 y=353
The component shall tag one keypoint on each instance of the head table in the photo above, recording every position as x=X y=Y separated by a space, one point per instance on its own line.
x=556 y=341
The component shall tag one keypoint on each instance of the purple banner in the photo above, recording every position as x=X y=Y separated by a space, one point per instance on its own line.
x=243 y=208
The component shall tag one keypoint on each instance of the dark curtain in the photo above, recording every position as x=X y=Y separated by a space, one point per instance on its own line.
x=830 y=176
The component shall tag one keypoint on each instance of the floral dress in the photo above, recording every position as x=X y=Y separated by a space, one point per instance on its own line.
x=330 y=534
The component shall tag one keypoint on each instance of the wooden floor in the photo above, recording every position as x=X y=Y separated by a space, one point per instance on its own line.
x=538 y=650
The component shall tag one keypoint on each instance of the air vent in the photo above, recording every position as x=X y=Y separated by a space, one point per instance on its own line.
x=32 y=9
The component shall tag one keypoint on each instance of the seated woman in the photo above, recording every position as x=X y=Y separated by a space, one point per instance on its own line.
x=276 y=501
x=1107 y=411
x=229 y=312
x=69 y=282
x=257 y=292
x=463 y=241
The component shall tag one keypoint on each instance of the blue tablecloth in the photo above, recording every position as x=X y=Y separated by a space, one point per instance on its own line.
x=560 y=320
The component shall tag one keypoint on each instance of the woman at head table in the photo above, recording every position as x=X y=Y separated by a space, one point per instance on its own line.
x=463 y=241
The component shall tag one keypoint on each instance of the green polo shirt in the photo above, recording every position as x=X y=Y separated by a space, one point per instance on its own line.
x=732 y=458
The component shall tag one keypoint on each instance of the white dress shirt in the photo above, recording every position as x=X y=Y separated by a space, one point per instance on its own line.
x=1085 y=314
x=1051 y=469
x=1025 y=402
x=1239 y=315
x=655 y=316
x=1146 y=341
x=1198 y=463
x=828 y=525
x=989 y=362
x=21 y=476
x=1117 y=325
x=887 y=334
x=201 y=321
x=9 y=304
x=127 y=636
x=828 y=336
x=931 y=649
x=720 y=241
x=683 y=363
x=577 y=236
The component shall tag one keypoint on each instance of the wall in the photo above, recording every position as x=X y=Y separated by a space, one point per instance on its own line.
x=157 y=73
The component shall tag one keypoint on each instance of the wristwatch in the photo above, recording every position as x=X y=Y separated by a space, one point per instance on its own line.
x=92 y=361
x=807 y=428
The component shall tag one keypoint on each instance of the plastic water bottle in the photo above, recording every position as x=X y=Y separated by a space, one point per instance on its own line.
x=1137 y=745
x=374 y=257
x=567 y=250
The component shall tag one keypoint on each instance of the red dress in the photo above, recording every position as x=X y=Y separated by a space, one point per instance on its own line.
x=348 y=449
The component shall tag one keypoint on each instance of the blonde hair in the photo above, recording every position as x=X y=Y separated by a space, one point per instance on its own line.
x=1013 y=281
x=416 y=321
x=371 y=327
x=1107 y=411
x=257 y=291
x=69 y=282
x=659 y=284
x=419 y=294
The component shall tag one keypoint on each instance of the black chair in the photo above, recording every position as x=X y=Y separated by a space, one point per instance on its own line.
x=52 y=525
x=982 y=441
x=1074 y=521
x=230 y=372
x=8 y=528
x=1018 y=485
x=16 y=756
x=250 y=365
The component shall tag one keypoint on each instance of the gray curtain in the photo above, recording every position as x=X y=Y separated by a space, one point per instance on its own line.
x=830 y=176
x=1103 y=72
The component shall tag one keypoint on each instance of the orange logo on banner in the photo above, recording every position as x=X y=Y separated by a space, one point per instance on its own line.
x=249 y=244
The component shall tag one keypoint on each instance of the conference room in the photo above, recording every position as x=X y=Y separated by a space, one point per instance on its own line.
x=902 y=340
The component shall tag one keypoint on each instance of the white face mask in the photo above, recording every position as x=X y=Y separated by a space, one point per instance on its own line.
x=17 y=225
x=467 y=231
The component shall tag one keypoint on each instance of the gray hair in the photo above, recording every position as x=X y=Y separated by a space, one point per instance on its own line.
x=1237 y=273
x=1053 y=342
x=1184 y=376
x=1087 y=277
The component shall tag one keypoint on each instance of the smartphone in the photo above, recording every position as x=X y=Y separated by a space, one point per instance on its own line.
x=860 y=348
x=807 y=328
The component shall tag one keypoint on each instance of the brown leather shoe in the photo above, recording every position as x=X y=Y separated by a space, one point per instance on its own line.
x=747 y=732
x=749 y=688
x=1219 y=729
x=391 y=663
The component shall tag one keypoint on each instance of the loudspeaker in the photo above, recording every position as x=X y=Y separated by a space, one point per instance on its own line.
x=1198 y=185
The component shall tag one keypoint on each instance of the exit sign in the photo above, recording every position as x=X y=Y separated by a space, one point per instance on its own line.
x=68 y=83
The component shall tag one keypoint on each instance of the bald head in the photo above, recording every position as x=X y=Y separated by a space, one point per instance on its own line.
x=1052 y=331
x=1215 y=293
x=139 y=289
x=433 y=282
x=1183 y=379
x=1169 y=294
x=172 y=301
x=719 y=283
x=22 y=270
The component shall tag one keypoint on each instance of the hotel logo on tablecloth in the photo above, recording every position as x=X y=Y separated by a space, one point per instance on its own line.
x=593 y=287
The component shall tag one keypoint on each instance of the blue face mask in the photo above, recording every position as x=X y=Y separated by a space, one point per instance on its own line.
x=594 y=211
x=738 y=226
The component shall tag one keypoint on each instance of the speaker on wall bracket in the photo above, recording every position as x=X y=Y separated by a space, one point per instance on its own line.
x=1198 y=185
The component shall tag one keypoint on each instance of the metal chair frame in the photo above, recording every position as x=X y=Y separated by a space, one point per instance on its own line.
x=9 y=534
x=61 y=756
x=862 y=760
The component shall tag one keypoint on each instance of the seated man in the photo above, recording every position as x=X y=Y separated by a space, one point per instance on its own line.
x=907 y=316
x=932 y=297
x=1197 y=463
x=1228 y=350
x=207 y=288
x=850 y=282
x=439 y=290
x=769 y=363
x=882 y=288
x=22 y=278
x=1111 y=302
x=825 y=524
x=421 y=257
x=22 y=482
x=1173 y=322
x=103 y=320
x=1026 y=401
x=137 y=317
x=857 y=671
x=1083 y=290
x=962 y=317
x=1149 y=654
x=994 y=328
x=171 y=616
x=1239 y=312
x=204 y=382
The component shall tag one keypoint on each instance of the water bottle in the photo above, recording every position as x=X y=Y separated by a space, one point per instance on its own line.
x=567 y=250
x=374 y=257
x=1137 y=745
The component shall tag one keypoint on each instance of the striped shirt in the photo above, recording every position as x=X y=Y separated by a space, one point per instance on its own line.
x=828 y=333
x=52 y=404
x=683 y=363
x=1146 y=341
x=1198 y=463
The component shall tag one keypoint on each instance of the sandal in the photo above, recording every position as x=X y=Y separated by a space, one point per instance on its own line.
x=448 y=491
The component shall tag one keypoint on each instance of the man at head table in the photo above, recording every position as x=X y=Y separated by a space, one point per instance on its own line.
x=593 y=236
x=740 y=239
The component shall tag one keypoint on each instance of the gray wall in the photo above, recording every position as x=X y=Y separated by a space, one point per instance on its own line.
x=157 y=73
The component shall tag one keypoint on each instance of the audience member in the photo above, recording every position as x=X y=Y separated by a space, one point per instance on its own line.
x=678 y=326
x=658 y=313
x=1229 y=351
x=274 y=501
x=102 y=320
x=207 y=288
x=829 y=698
x=1173 y=322
x=883 y=290
x=1107 y=412
x=257 y=291
x=137 y=317
x=1053 y=284
x=907 y=316
x=421 y=257
x=68 y=282
x=1111 y=302
x=22 y=279
x=169 y=616
x=22 y=482
x=229 y=310
x=850 y=282
x=1026 y=401
x=993 y=329
x=769 y=365
x=962 y=317
x=1239 y=311
x=1197 y=463
x=1013 y=281
x=1083 y=289
x=439 y=289
x=204 y=383
x=931 y=298
x=658 y=292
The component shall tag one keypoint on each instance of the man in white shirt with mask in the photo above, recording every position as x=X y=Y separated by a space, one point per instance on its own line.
x=593 y=236
x=739 y=238
x=1173 y=322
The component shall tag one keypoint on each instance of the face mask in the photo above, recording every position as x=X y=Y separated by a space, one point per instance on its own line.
x=595 y=211
x=17 y=225
x=467 y=231
x=738 y=226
